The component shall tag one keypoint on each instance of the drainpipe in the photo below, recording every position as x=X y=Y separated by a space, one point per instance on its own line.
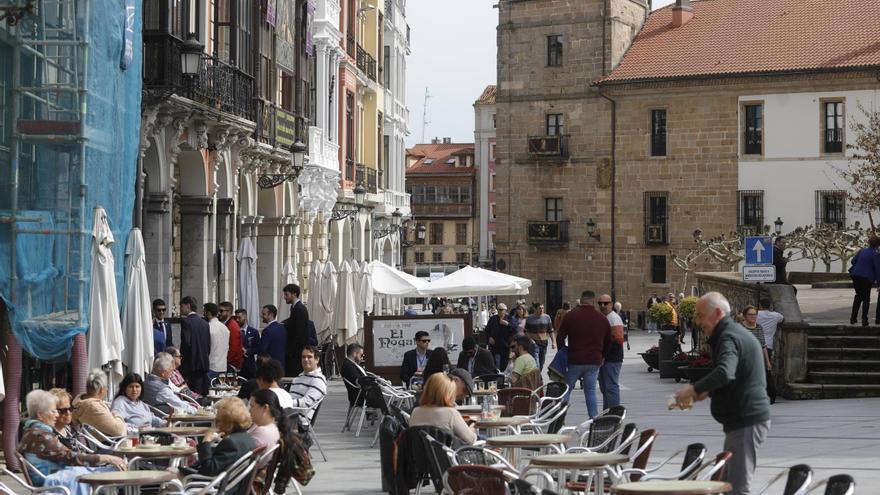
x=613 y=195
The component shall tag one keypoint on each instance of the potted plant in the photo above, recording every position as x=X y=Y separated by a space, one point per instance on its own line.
x=682 y=360
x=651 y=358
x=686 y=308
x=662 y=314
x=697 y=368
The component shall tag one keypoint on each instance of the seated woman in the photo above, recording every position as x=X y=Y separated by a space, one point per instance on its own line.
x=41 y=446
x=438 y=359
x=265 y=413
x=271 y=426
x=90 y=408
x=68 y=435
x=437 y=408
x=268 y=375
x=233 y=422
x=130 y=407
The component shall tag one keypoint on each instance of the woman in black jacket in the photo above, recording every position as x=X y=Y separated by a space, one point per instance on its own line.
x=233 y=421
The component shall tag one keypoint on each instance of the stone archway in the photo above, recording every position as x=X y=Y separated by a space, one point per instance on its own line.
x=157 y=223
x=194 y=252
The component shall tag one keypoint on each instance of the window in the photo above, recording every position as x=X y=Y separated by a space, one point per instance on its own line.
x=833 y=127
x=461 y=233
x=658 y=269
x=349 y=128
x=553 y=124
x=436 y=233
x=420 y=240
x=463 y=258
x=494 y=122
x=232 y=32
x=437 y=257
x=491 y=152
x=386 y=66
x=492 y=211
x=658 y=132
x=386 y=159
x=553 y=209
x=554 y=50
x=419 y=257
x=753 y=129
x=750 y=211
x=656 y=205
x=492 y=182
x=831 y=208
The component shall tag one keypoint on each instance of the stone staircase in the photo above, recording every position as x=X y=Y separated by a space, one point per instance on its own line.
x=842 y=361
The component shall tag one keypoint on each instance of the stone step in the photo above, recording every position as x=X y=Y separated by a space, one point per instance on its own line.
x=843 y=330
x=830 y=391
x=864 y=341
x=843 y=365
x=859 y=353
x=844 y=377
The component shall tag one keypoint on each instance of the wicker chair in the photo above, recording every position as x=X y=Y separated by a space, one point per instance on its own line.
x=715 y=470
x=475 y=480
x=839 y=484
x=797 y=482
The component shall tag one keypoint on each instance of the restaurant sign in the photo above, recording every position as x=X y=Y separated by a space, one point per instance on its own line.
x=285 y=129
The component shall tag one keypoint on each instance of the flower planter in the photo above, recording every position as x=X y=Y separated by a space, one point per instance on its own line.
x=652 y=359
x=693 y=374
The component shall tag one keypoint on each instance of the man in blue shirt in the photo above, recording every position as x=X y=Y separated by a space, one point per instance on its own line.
x=250 y=339
x=161 y=327
x=273 y=342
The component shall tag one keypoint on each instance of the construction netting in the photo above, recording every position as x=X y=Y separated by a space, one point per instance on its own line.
x=69 y=143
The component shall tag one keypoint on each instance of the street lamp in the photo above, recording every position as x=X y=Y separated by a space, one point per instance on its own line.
x=777 y=225
x=359 y=194
x=299 y=158
x=191 y=56
x=349 y=211
x=591 y=230
x=396 y=217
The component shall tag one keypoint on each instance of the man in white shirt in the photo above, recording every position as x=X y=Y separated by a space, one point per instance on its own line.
x=219 y=341
x=769 y=321
x=609 y=373
x=310 y=387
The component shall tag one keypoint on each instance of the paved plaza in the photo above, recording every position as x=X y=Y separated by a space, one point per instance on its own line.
x=832 y=436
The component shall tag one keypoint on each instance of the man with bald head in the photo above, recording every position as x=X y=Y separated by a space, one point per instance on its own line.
x=737 y=385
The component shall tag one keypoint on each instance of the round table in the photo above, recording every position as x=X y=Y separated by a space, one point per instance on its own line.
x=184 y=431
x=512 y=443
x=583 y=461
x=476 y=408
x=686 y=487
x=174 y=454
x=492 y=425
x=128 y=479
x=192 y=418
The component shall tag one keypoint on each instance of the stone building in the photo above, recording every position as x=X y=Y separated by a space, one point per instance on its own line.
x=484 y=154
x=441 y=180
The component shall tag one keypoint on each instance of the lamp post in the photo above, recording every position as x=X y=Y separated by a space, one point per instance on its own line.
x=591 y=230
x=299 y=158
x=777 y=226
x=191 y=56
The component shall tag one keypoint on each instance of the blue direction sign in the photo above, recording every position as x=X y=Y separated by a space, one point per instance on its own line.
x=759 y=251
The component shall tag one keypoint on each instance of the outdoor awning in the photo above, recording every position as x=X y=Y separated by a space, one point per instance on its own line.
x=392 y=282
x=472 y=281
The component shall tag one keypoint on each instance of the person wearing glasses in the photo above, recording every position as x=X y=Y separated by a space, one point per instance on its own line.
x=415 y=360
x=67 y=434
x=161 y=327
x=609 y=372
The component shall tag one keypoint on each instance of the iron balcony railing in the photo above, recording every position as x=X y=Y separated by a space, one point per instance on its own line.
x=366 y=63
x=556 y=145
x=350 y=46
x=372 y=183
x=360 y=174
x=349 y=169
x=217 y=83
x=547 y=231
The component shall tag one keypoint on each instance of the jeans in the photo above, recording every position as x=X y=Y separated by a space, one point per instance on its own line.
x=609 y=383
x=539 y=352
x=743 y=443
x=501 y=358
x=587 y=374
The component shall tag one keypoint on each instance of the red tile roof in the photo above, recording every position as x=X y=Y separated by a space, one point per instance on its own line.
x=488 y=96
x=754 y=36
x=438 y=155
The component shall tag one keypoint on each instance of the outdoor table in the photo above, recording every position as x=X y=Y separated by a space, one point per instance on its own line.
x=193 y=418
x=98 y=482
x=678 y=487
x=584 y=461
x=174 y=454
x=493 y=425
x=476 y=408
x=512 y=443
x=478 y=396
x=183 y=431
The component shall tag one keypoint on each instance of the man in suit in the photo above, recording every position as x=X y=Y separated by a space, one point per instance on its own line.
x=499 y=330
x=161 y=327
x=352 y=371
x=296 y=328
x=195 y=346
x=476 y=360
x=414 y=360
x=273 y=342
x=250 y=338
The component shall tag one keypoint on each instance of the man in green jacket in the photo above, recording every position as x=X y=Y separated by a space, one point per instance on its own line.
x=737 y=385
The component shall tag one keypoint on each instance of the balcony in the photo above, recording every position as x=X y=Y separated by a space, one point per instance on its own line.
x=360 y=171
x=547 y=232
x=429 y=210
x=218 y=85
x=366 y=63
x=349 y=170
x=350 y=46
x=372 y=183
x=555 y=146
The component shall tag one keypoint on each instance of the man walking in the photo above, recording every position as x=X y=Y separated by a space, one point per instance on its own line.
x=539 y=327
x=780 y=261
x=297 y=329
x=219 y=341
x=235 y=357
x=737 y=385
x=273 y=342
x=609 y=373
x=589 y=339
x=250 y=338
x=499 y=330
x=195 y=346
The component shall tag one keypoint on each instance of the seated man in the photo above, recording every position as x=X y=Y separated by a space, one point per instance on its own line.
x=352 y=371
x=310 y=387
x=177 y=382
x=157 y=388
x=525 y=369
x=414 y=360
x=476 y=360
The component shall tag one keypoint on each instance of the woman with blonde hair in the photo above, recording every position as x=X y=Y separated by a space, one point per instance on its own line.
x=437 y=408
x=233 y=421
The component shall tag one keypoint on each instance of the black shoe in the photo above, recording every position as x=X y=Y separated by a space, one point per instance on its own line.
x=864 y=323
x=852 y=322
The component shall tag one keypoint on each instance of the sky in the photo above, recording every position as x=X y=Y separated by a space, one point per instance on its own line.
x=453 y=57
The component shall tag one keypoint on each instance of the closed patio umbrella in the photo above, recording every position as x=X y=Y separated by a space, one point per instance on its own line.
x=248 y=296
x=288 y=276
x=345 y=322
x=365 y=293
x=105 y=327
x=137 y=318
x=328 y=296
x=313 y=302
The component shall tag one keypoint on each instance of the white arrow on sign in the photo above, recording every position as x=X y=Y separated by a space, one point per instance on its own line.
x=758 y=248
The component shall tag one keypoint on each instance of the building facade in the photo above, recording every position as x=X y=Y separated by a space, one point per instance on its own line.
x=441 y=181
x=484 y=153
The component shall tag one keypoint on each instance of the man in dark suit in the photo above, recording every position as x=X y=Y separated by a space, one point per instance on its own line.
x=352 y=371
x=195 y=346
x=499 y=330
x=414 y=360
x=161 y=327
x=297 y=329
x=250 y=338
x=476 y=360
x=273 y=342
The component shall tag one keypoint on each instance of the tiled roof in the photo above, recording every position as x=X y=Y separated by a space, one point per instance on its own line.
x=488 y=96
x=433 y=158
x=754 y=36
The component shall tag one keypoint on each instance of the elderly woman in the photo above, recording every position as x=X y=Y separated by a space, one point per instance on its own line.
x=130 y=407
x=157 y=390
x=233 y=421
x=66 y=433
x=40 y=444
x=90 y=408
x=437 y=408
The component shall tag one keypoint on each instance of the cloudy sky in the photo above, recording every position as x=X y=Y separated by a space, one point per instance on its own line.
x=453 y=56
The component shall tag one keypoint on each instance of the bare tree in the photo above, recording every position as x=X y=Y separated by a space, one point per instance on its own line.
x=863 y=168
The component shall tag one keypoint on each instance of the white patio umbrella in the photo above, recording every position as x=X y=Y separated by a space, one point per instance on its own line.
x=105 y=328
x=316 y=311
x=248 y=290
x=288 y=276
x=137 y=318
x=390 y=281
x=472 y=281
x=365 y=293
x=328 y=296
x=345 y=321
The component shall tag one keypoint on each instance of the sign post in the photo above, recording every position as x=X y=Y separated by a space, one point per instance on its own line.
x=759 y=260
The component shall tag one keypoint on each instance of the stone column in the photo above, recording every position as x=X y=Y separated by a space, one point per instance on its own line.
x=196 y=247
x=270 y=236
x=157 y=242
x=226 y=238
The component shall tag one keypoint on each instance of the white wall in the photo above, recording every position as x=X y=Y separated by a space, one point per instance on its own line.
x=793 y=167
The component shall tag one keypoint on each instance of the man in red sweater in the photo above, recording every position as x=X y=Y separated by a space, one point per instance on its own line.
x=589 y=339
x=235 y=356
